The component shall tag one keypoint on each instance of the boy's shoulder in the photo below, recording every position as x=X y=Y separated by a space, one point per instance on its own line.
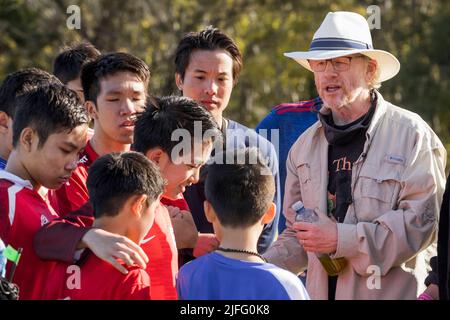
x=17 y=196
x=98 y=275
x=91 y=262
x=297 y=107
x=290 y=113
x=289 y=281
x=192 y=265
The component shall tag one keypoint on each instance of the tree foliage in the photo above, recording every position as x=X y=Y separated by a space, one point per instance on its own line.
x=416 y=31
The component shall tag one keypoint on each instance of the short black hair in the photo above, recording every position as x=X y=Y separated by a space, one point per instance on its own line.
x=110 y=64
x=162 y=116
x=19 y=82
x=48 y=109
x=115 y=177
x=239 y=192
x=208 y=39
x=67 y=65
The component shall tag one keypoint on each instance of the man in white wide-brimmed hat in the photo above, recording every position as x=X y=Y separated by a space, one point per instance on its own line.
x=373 y=172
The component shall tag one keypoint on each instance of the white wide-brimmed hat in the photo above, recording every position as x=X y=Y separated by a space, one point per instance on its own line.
x=344 y=33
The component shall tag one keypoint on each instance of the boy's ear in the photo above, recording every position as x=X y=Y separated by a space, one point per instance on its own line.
x=3 y=122
x=27 y=137
x=179 y=81
x=270 y=214
x=90 y=106
x=209 y=211
x=138 y=204
x=155 y=155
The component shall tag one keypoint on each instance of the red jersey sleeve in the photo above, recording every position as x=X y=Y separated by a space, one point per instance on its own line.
x=179 y=203
x=59 y=239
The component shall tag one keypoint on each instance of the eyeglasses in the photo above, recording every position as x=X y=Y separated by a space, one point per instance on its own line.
x=339 y=64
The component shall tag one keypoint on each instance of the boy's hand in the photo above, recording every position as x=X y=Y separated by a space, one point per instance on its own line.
x=110 y=247
x=206 y=243
x=186 y=233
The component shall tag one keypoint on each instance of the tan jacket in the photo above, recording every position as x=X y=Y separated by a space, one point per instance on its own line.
x=390 y=227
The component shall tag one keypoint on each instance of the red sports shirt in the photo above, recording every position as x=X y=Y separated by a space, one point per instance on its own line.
x=100 y=281
x=161 y=249
x=73 y=194
x=59 y=239
x=22 y=213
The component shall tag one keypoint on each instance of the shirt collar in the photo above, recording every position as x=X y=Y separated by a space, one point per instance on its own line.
x=15 y=179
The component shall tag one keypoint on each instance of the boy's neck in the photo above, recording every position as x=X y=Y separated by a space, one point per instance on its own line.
x=240 y=239
x=16 y=167
x=102 y=145
x=115 y=225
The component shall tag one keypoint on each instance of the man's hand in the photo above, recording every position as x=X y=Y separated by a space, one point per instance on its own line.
x=184 y=228
x=206 y=243
x=320 y=236
x=110 y=247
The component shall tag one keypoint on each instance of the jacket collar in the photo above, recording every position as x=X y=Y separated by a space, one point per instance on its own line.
x=380 y=110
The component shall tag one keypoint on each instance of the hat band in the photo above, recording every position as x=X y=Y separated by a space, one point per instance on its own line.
x=338 y=44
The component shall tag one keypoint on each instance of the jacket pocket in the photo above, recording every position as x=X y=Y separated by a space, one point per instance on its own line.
x=379 y=189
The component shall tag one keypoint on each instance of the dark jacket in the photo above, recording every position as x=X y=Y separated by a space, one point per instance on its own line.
x=440 y=271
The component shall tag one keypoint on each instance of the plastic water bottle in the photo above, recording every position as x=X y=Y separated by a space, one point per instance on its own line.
x=2 y=259
x=332 y=266
x=303 y=214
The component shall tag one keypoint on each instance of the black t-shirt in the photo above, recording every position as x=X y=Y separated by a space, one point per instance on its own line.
x=346 y=143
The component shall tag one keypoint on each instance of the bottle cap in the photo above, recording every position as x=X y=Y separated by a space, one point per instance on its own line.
x=298 y=206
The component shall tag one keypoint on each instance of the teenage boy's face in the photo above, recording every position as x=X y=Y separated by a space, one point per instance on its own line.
x=208 y=80
x=52 y=164
x=75 y=85
x=179 y=175
x=121 y=96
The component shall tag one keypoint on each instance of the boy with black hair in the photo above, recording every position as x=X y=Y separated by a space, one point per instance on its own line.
x=207 y=67
x=15 y=84
x=50 y=127
x=124 y=190
x=152 y=137
x=115 y=88
x=238 y=204
x=69 y=62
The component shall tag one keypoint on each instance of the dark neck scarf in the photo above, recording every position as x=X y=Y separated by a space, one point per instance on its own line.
x=344 y=134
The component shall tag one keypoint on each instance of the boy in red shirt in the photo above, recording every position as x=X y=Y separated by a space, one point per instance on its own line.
x=50 y=127
x=156 y=137
x=153 y=137
x=14 y=85
x=115 y=89
x=124 y=190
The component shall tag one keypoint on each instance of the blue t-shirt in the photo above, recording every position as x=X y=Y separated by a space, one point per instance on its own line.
x=216 y=277
x=291 y=119
x=239 y=136
x=2 y=163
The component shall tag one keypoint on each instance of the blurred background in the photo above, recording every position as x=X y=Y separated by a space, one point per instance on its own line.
x=417 y=32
